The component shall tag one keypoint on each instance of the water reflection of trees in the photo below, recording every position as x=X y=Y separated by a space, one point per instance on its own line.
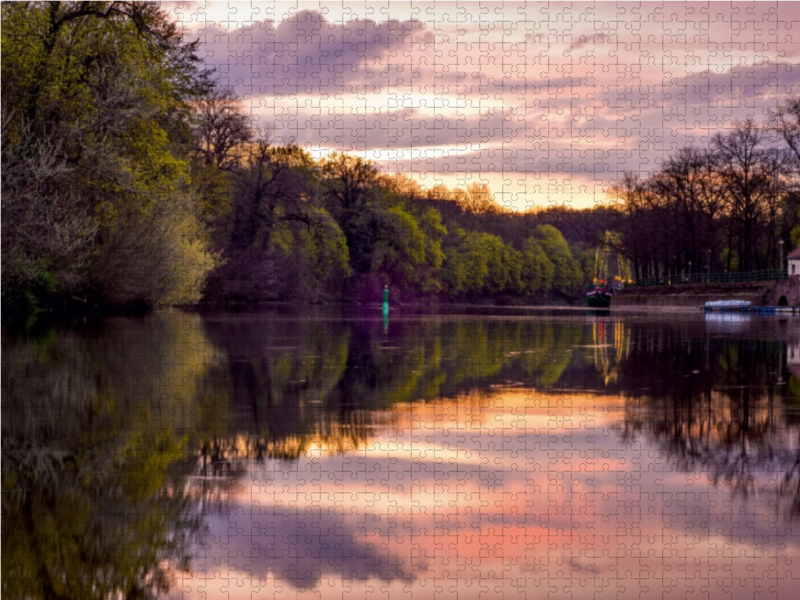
x=91 y=505
x=124 y=435
x=115 y=433
x=287 y=385
x=715 y=405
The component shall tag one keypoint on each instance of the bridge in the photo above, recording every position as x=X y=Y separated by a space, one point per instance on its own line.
x=785 y=292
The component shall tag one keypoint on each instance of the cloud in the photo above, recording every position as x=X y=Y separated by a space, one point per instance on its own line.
x=592 y=40
x=307 y=54
x=609 y=77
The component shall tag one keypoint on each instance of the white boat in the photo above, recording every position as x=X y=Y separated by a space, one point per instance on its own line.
x=727 y=304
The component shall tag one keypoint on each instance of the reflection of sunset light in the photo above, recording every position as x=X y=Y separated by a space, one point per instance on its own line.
x=527 y=489
x=318 y=446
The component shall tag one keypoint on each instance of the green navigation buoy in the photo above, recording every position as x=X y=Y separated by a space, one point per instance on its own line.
x=385 y=307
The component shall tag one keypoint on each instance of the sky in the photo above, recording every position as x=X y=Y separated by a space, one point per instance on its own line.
x=547 y=103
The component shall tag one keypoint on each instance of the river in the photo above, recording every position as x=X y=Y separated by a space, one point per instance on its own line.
x=471 y=454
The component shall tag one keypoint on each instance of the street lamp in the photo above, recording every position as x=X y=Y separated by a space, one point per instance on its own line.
x=690 y=271
x=708 y=267
x=780 y=265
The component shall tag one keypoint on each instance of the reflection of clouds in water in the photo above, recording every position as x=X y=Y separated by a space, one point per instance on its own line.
x=303 y=548
x=491 y=480
x=516 y=484
x=410 y=513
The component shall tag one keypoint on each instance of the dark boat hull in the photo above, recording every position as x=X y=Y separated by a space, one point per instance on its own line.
x=598 y=299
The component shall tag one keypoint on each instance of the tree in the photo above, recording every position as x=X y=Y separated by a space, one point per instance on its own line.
x=220 y=126
x=567 y=272
x=751 y=180
x=690 y=192
x=104 y=89
x=352 y=194
x=537 y=269
x=477 y=199
x=47 y=231
x=280 y=242
x=350 y=182
x=786 y=121
x=479 y=265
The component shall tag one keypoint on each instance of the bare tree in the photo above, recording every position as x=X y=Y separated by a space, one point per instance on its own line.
x=221 y=125
x=785 y=120
x=689 y=192
x=751 y=178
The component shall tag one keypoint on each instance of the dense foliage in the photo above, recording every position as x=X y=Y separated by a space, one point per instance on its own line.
x=97 y=198
x=131 y=179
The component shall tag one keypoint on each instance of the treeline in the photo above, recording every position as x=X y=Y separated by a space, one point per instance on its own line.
x=338 y=228
x=720 y=208
x=131 y=179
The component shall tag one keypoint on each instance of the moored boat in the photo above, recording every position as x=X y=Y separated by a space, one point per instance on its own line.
x=727 y=305
x=599 y=297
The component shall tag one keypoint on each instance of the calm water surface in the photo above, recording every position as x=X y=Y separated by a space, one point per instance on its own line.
x=527 y=454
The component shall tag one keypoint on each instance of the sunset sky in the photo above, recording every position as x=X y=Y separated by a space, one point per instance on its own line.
x=547 y=103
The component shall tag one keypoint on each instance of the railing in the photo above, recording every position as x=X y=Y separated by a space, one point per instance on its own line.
x=767 y=275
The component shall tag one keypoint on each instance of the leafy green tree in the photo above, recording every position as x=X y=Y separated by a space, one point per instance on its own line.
x=353 y=195
x=400 y=247
x=567 y=272
x=466 y=270
x=503 y=266
x=537 y=269
x=280 y=242
x=429 y=273
x=479 y=265
x=103 y=89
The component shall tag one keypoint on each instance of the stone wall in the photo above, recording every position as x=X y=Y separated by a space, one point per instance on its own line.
x=788 y=288
x=696 y=295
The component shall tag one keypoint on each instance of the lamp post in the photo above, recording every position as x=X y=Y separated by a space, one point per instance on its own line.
x=674 y=268
x=708 y=267
x=690 y=271
x=780 y=265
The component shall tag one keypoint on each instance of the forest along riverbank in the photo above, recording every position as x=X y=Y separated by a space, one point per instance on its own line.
x=190 y=198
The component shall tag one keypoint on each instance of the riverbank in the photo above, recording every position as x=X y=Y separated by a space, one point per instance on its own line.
x=691 y=296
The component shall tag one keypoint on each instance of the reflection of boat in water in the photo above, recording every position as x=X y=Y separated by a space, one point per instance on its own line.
x=727 y=305
x=727 y=322
x=599 y=297
x=611 y=346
